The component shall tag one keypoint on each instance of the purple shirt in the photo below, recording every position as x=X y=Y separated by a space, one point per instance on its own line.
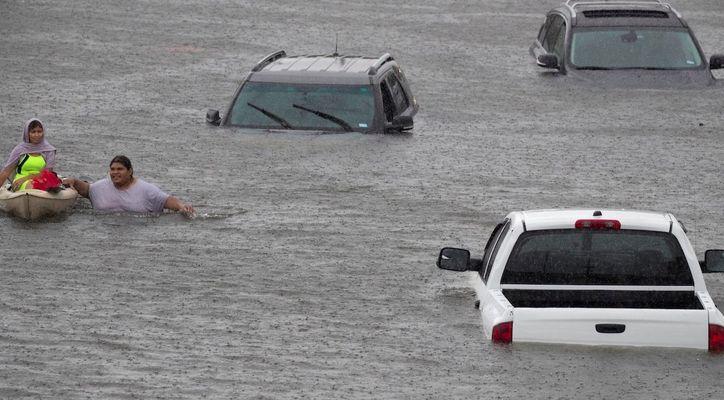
x=141 y=197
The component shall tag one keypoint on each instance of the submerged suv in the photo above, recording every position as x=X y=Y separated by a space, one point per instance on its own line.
x=624 y=42
x=328 y=93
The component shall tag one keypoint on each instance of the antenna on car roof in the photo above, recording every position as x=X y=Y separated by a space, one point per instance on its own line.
x=336 y=40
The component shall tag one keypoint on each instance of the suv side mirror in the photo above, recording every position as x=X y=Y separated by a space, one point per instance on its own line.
x=547 y=60
x=213 y=117
x=716 y=61
x=400 y=123
x=714 y=261
x=453 y=259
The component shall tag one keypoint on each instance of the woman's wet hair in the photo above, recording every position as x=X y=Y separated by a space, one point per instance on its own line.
x=123 y=160
x=34 y=124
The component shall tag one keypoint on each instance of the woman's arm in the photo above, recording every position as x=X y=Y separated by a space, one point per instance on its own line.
x=20 y=181
x=5 y=173
x=172 y=203
x=82 y=187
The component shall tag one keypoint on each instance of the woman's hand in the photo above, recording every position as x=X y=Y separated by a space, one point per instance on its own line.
x=187 y=210
x=18 y=182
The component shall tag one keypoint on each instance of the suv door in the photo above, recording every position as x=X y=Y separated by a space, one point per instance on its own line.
x=551 y=38
x=394 y=98
x=388 y=104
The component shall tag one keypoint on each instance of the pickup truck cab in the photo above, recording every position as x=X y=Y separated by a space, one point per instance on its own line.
x=594 y=277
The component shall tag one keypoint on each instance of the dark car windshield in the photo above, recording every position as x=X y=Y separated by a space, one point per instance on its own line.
x=272 y=105
x=644 y=48
x=585 y=257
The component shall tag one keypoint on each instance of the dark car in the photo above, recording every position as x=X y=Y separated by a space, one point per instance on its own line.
x=643 y=42
x=327 y=93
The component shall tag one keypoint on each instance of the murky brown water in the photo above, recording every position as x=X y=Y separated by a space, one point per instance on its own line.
x=310 y=270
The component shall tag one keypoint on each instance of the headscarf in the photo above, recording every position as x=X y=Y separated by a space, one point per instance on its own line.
x=44 y=148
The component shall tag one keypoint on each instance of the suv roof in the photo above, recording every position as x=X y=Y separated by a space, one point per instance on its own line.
x=620 y=12
x=334 y=68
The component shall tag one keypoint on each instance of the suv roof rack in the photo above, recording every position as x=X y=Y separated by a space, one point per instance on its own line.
x=572 y=4
x=268 y=60
x=380 y=62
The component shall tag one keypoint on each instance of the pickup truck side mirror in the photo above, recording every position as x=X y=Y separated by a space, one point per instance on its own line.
x=213 y=117
x=454 y=259
x=548 y=60
x=713 y=261
x=400 y=123
x=716 y=61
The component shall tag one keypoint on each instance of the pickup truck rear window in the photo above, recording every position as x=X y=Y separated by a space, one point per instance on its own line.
x=598 y=257
x=665 y=300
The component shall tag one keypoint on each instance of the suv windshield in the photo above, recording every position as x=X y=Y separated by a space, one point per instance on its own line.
x=584 y=257
x=644 y=48
x=304 y=106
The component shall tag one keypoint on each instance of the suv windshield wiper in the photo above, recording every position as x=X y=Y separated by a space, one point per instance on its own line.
x=271 y=115
x=326 y=116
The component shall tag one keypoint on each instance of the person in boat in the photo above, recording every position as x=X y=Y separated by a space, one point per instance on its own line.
x=28 y=159
x=121 y=191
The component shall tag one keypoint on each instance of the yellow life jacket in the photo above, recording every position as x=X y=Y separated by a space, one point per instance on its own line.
x=28 y=164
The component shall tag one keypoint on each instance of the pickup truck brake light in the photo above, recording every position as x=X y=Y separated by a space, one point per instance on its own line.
x=503 y=332
x=716 y=338
x=602 y=224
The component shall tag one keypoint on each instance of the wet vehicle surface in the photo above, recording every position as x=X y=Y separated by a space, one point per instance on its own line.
x=309 y=272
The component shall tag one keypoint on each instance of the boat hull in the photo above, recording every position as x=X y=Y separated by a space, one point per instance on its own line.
x=36 y=204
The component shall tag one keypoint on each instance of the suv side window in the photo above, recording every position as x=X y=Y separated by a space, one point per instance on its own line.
x=388 y=104
x=398 y=93
x=491 y=248
x=556 y=32
x=544 y=30
x=559 y=46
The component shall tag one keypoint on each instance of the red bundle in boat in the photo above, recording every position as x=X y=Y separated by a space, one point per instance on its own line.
x=47 y=180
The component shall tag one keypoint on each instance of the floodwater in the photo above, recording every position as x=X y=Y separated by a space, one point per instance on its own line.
x=309 y=272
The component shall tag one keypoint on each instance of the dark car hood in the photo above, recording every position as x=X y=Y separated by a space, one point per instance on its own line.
x=645 y=79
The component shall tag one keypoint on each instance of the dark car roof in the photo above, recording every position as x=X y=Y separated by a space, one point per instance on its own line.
x=621 y=13
x=333 y=69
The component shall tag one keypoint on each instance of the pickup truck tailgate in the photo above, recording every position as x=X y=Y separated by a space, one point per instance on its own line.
x=619 y=326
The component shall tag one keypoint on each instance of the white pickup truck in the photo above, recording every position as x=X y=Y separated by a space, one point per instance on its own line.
x=606 y=277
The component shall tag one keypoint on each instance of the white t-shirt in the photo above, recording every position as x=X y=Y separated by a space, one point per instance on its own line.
x=141 y=197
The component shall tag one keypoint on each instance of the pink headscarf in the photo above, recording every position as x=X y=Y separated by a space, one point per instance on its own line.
x=44 y=148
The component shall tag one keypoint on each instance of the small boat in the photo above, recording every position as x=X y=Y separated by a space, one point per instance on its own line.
x=34 y=204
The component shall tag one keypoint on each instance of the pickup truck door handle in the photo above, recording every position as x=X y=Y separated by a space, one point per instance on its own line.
x=610 y=328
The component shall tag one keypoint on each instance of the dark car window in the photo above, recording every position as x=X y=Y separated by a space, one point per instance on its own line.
x=388 y=104
x=613 y=48
x=584 y=257
x=398 y=94
x=403 y=78
x=491 y=248
x=544 y=29
x=503 y=232
x=553 y=34
x=354 y=104
x=559 y=46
